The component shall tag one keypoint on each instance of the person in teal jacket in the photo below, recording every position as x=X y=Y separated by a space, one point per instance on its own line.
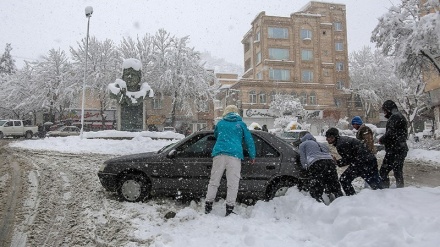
x=227 y=155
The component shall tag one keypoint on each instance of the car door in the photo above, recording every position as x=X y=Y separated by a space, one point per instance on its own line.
x=189 y=169
x=18 y=128
x=267 y=164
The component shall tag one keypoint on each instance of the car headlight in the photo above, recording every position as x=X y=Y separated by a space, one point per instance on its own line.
x=101 y=169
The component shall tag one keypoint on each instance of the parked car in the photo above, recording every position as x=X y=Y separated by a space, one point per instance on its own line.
x=16 y=129
x=183 y=169
x=293 y=136
x=64 y=131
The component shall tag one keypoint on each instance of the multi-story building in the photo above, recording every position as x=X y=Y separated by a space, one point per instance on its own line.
x=303 y=55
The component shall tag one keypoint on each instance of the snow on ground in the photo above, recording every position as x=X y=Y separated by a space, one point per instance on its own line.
x=391 y=217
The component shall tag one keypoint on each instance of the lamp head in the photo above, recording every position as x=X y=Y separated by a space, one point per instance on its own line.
x=89 y=11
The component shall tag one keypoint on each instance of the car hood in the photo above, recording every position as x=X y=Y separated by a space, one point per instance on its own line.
x=132 y=158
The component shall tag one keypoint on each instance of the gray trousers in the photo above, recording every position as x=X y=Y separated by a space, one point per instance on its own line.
x=232 y=166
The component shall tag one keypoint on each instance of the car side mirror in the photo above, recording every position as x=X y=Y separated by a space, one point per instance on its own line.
x=172 y=154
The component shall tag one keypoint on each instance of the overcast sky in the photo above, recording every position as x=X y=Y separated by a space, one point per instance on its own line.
x=33 y=27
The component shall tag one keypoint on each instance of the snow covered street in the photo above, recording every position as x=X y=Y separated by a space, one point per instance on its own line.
x=60 y=202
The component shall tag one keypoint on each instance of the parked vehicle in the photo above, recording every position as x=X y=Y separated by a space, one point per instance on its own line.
x=64 y=131
x=16 y=129
x=183 y=169
x=293 y=136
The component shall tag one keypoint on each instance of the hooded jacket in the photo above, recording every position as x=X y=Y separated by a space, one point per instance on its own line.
x=365 y=134
x=230 y=133
x=396 y=132
x=310 y=151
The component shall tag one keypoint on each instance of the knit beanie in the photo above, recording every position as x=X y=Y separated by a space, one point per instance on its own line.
x=332 y=132
x=357 y=120
x=229 y=109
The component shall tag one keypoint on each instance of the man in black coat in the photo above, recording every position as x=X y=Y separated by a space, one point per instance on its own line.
x=394 y=141
x=360 y=161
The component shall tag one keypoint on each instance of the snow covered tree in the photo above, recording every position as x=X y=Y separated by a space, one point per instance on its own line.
x=7 y=63
x=287 y=108
x=56 y=82
x=179 y=74
x=103 y=65
x=412 y=39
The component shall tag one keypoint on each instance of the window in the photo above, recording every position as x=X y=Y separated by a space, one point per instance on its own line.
x=306 y=55
x=262 y=98
x=303 y=98
x=157 y=102
x=338 y=26
x=247 y=46
x=278 y=33
x=339 y=46
x=307 y=76
x=198 y=147
x=337 y=102
x=257 y=37
x=326 y=73
x=272 y=96
x=278 y=54
x=17 y=123
x=306 y=34
x=279 y=74
x=312 y=98
x=339 y=66
x=262 y=148
x=258 y=58
x=252 y=97
x=339 y=84
x=259 y=76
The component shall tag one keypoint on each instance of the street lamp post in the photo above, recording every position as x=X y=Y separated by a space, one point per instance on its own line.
x=89 y=12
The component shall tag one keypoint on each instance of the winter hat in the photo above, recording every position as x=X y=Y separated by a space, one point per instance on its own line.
x=389 y=105
x=332 y=132
x=229 y=109
x=357 y=120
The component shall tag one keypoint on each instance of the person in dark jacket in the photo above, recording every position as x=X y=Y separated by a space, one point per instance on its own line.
x=228 y=153
x=360 y=161
x=394 y=141
x=320 y=168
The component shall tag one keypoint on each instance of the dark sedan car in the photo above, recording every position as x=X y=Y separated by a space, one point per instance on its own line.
x=183 y=169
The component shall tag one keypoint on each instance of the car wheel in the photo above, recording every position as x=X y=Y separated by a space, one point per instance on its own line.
x=278 y=189
x=28 y=135
x=1 y=135
x=133 y=188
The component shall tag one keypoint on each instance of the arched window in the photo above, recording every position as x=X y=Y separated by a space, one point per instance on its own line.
x=262 y=98
x=252 y=97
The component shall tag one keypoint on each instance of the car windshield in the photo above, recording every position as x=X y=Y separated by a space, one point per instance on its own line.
x=293 y=135
x=168 y=147
x=2 y=122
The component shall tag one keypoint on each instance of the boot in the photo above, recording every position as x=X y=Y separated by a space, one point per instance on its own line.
x=208 y=207
x=229 y=209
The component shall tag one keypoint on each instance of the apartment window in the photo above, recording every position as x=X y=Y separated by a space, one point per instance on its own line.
x=339 y=84
x=303 y=98
x=278 y=54
x=257 y=37
x=272 y=96
x=262 y=98
x=307 y=76
x=339 y=66
x=259 y=76
x=338 y=26
x=306 y=34
x=247 y=46
x=157 y=102
x=312 y=98
x=326 y=73
x=258 y=58
x=252 y=97
x=337 y=102
x=279 y=74
x=306 y=55
x=339 y=46
x=278 y=33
